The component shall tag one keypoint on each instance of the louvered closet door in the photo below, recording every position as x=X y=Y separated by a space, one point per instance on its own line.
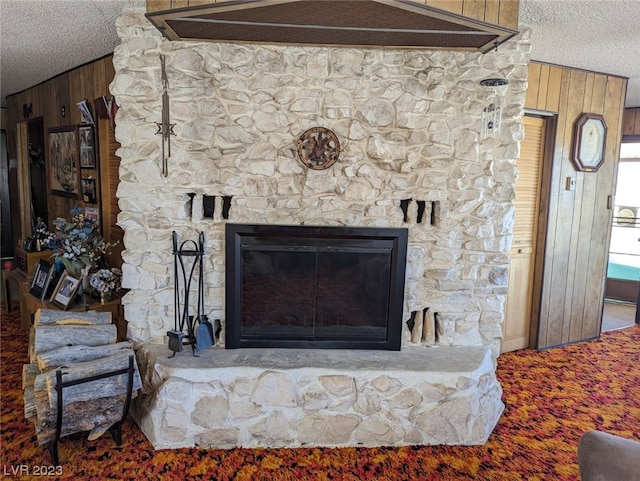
x=515 y=329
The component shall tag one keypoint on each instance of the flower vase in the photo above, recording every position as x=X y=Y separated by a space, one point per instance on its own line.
x=105 y=297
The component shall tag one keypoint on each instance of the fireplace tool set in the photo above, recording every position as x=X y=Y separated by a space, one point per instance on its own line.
x=188 y=270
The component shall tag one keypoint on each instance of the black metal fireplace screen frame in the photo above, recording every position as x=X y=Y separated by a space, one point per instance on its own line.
x=242 y=237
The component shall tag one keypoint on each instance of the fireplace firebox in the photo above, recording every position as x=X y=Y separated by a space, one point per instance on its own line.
x=314 y=287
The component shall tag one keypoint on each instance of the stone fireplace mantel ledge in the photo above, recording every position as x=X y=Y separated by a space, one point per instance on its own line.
x=291 y=397
x=444 y=360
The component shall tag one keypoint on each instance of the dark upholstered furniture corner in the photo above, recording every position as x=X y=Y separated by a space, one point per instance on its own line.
x=605 y=457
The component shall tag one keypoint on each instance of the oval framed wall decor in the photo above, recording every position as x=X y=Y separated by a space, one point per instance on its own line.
x=589 y=137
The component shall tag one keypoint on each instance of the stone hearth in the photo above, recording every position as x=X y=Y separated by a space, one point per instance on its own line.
x=293 y=397
x=409 y=124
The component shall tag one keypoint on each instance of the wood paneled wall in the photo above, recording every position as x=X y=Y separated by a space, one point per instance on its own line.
x=497 y=12
x=576 y=224
x=55 y=101
x=109 y=180
x=631 y=124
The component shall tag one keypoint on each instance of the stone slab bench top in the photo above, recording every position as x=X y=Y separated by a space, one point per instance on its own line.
x=443 y=360
x=298 y=397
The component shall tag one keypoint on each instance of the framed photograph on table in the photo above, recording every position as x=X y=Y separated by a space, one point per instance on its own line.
x=29 y=244
x=86 y=147
x=92 y=214
x=64 y=166
x=42 y=277
x=65 y=291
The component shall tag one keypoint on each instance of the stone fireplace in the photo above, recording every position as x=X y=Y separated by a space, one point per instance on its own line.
x=412 y=157
x=314 y=287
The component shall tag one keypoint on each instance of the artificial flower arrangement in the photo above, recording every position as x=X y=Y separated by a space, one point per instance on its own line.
x=77 y=245
x=106 y=281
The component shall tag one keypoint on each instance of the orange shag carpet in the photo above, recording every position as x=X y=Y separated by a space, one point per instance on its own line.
x=551 y=399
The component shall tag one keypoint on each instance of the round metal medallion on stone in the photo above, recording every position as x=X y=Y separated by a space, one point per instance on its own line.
x=318 y=148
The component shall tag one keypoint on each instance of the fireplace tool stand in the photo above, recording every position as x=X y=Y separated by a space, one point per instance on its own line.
x=199 y=331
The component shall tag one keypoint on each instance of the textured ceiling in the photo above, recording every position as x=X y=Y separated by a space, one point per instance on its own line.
x=598 y=35
x=40 y=39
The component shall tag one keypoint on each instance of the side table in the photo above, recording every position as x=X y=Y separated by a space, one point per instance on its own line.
x=20 y=280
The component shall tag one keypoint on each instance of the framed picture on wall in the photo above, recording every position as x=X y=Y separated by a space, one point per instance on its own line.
x=89 y=190
x=589 y=136
x=83 y=106
x=86 y=147
x=64 y=165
